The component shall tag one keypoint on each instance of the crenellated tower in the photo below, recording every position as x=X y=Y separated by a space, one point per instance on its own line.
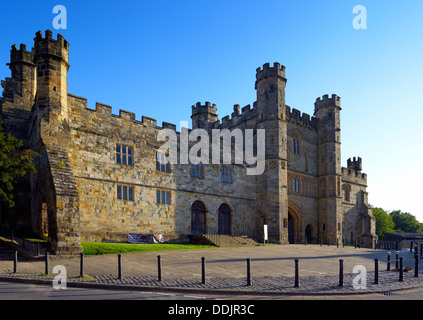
x=203 y=115
x=272 y=192
x=51 y=58
x=327 y=111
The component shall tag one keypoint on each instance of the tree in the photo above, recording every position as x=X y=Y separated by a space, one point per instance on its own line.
x=14 y=162
x=405 y=222
x=384 y=222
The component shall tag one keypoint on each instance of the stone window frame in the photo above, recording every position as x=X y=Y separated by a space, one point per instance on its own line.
x=197 y=171
x=295 y=185
x=347 y=192
x=163 y=197
x=124 y=155
x=162 y=162
x=125 y=192
x=226 y=174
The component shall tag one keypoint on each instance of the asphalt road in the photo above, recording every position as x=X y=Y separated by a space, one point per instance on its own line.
x=22 y=291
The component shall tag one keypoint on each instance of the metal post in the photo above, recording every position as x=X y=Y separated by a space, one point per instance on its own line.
x=337 y=243
x=388 y=264
x=355 y=246
x=341 y=272
x=81 y=267
x=321 y=243
x=15 y=262
x=119 y=266
x=203 y=270
x=376 y=271
x=296 y=285
x=159 y=268
x=38 y=248
x=46 y=263
x=396 y=260
x=401 y=271
x=416 y=266
x=248 y=272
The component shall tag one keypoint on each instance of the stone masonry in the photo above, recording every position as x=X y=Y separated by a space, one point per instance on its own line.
x=98 y=177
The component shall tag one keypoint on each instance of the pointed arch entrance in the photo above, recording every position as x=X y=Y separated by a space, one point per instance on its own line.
x=224 y=217
x=295 y=223
x=198 y=218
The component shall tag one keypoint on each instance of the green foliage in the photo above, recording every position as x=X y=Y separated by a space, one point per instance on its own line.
x=384 y=223
x=405 y=222
x=14 y=162
x=395 y=221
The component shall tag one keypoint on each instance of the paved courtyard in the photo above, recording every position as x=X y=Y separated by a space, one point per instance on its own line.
x=272 y=269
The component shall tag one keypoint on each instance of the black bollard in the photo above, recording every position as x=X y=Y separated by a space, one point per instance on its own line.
x=248 y=272
x=396 y=260
x=388 y=264
x=355 y=246
x=337 y=243
x=203 y=270
x=321 y=243
x=401 y=271
x=376 y=271
x=81 y=266
x=15 y=262
x=119 y=266
x=341 y=272
x=416 y=266
x=296 y=285
x=46 y=263
x=38 y=248
x=159 y=268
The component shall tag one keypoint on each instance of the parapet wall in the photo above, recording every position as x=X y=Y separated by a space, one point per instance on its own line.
x=354 y=176
x=79 y=105
x=304 y=119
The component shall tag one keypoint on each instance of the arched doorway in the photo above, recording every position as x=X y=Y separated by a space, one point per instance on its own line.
x=295 y=224
x=309 y=233
x=198 y=218
x=224 y=217
x=291 y=238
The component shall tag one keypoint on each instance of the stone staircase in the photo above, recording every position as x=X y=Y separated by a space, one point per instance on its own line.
x=223 y=240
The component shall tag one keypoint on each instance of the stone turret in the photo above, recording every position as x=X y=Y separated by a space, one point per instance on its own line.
x=272 y=192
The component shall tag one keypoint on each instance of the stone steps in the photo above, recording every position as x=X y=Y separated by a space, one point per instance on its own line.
x=223 y=240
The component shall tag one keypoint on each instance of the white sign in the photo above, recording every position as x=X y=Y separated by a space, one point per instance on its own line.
x=266 y=238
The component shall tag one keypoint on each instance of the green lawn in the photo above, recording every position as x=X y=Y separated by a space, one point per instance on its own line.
x=99 y=248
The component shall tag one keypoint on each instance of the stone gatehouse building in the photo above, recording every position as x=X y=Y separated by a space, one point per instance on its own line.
x=99 y=175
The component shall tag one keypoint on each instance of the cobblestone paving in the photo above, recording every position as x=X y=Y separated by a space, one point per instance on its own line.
x=272 y=271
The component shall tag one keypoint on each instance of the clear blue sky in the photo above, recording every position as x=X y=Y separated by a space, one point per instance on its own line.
x=157 y=58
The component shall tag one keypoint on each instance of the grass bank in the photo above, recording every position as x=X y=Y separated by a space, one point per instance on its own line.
x=100 y=248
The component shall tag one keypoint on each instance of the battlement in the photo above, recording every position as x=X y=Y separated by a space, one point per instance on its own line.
x=301 y=119
x=21 y=55
x=49 y=46
x=354 y=176
x=327 y=102
x=276 y=71
x=79 y=106
x=206 y=108
x=355 y=164
x=236 y=117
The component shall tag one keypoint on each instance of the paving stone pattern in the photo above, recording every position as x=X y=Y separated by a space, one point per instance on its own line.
x=272 y=270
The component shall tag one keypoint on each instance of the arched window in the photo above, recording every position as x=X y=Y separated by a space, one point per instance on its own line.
x=296 y=139
x=347 y=192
